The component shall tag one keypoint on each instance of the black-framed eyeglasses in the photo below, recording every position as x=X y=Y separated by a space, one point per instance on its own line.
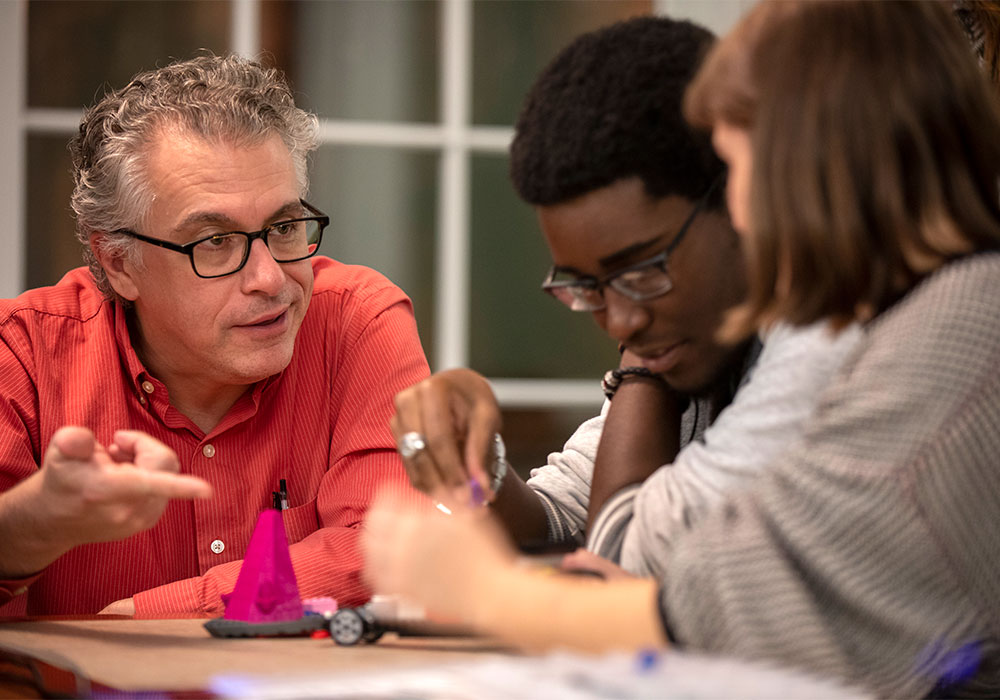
x=226 y=253
x=642 y=281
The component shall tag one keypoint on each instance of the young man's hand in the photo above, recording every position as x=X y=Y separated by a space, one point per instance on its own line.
x=457 y=415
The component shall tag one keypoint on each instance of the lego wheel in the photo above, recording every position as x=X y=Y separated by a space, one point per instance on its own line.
x=347 y=627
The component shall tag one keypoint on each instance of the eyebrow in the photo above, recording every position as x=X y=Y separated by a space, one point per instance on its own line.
x=626 y=253
x=209 y=217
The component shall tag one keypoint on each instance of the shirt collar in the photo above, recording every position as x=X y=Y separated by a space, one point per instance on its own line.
x=137 y=372
x=129 y=358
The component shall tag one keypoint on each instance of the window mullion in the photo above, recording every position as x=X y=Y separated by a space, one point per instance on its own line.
x=13 y=144
x=452 y=269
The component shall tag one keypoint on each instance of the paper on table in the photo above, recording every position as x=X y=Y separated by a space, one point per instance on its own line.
x=555 y=676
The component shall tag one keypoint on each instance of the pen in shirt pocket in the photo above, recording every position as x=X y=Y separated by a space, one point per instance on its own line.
x=280 y=497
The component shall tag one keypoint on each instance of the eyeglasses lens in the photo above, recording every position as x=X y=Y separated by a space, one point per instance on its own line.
x=287 y=242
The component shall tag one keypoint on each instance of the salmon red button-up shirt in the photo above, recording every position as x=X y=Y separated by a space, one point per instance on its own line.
x=322 y=424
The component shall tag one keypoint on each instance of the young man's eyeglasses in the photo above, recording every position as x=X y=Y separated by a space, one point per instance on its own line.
x=226 y=253
x=645 y=280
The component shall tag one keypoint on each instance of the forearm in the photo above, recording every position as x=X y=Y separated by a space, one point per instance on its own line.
x=538 y=611
x=641 y=433
x=27 y=541
x=460 y=568
x=518 y=507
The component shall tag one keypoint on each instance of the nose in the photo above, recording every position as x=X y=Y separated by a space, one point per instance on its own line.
x=621 y=317
x=262 y=273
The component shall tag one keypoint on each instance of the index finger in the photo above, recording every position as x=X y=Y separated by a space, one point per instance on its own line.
x=444 y=417
x=130 y=484
x=484 y=423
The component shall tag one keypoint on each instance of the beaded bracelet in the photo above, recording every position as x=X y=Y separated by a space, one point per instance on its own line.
x=613 y=378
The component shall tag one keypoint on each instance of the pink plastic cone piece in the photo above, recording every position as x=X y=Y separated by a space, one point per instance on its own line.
x=266 y=590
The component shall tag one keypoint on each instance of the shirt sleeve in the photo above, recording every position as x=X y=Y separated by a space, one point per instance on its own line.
x=385 y=358
x=18 y=423
x=637 y=526
x=563 y=484
x=868 y=552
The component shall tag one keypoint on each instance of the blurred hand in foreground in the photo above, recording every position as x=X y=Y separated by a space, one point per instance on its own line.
x=584 y=560
x=445 y=563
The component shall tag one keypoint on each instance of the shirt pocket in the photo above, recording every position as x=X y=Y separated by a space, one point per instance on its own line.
x=300 y=521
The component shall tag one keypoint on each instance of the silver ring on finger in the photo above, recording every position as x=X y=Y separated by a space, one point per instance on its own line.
x=411 y=444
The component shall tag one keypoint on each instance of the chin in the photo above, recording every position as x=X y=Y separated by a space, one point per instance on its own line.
x=688 y=389
x=695 y=382
x=258 y=365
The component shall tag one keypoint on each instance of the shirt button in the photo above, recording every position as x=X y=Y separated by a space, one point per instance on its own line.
x=218 y=546
x=147 y=386
x=21 y=591
x=208 y=450
x=142 y=400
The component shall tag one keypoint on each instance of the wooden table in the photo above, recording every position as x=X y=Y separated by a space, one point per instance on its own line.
x=180 y=656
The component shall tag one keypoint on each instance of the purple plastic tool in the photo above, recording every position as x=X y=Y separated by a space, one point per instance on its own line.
x=266 y=589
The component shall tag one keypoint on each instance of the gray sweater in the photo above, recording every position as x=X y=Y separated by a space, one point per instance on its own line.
x=870 y=551
x=776 y=396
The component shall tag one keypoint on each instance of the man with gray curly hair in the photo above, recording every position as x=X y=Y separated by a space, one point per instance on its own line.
x=208 y=366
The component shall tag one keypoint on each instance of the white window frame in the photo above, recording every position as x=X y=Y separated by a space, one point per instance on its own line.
x=13 y=173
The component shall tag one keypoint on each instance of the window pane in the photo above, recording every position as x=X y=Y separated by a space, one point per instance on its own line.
x=76 y=49
x=52 y=249
x=530 y=435
x=356 y=59
x=381 y=205
x=718 y=15
x=513 y=40
x=516 y=329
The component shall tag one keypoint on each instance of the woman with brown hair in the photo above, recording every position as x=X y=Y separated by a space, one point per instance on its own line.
x=864 y=154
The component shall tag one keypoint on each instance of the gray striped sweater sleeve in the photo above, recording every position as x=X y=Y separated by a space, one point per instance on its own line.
x=563 y=484
x=871 y=550
x=637 y=526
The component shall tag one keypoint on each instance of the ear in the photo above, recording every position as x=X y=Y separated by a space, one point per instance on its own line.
x=121 y=274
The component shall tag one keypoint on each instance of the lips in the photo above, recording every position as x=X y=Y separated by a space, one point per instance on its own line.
x=267 y=320
x=663 y=359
